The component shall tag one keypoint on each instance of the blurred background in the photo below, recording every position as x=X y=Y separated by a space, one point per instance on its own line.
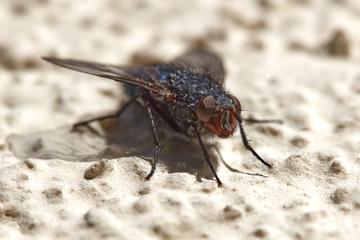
x=133 y=31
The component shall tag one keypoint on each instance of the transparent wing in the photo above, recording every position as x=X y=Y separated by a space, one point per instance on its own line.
x=204 y=62
x=137 y=76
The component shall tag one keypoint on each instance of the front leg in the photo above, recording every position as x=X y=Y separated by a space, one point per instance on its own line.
x=251 y=120
x=207 y=157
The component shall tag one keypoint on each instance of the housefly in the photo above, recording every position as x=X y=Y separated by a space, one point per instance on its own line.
x=187 y=93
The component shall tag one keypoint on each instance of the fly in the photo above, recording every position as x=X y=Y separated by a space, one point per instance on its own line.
x=187 y=93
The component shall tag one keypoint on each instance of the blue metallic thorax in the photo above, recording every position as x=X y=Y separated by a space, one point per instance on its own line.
x=190 y=87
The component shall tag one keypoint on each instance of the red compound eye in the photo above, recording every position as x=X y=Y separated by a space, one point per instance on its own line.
x=206 y=108
x=236 y=104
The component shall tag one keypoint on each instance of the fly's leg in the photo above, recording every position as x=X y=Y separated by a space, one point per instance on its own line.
x=207 y=157
x=262 y=121
x=117 y=114
x=158 y=146
x=246 y=142
x=233 y=169
x=247 y=145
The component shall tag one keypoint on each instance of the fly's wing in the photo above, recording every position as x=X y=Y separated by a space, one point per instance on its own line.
x=204 y=63
x=132 y=75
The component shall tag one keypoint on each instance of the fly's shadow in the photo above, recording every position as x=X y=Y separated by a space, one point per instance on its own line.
x=125 y=136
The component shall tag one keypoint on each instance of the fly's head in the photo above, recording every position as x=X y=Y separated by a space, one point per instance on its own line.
x=216 y=119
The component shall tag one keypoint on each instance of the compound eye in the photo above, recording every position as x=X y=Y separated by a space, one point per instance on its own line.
x=236 y=104
x=206 y=108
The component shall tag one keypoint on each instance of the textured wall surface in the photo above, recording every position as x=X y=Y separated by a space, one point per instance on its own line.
x=292 y=60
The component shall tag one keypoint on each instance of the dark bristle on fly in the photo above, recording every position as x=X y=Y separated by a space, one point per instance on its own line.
x=187 y=94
